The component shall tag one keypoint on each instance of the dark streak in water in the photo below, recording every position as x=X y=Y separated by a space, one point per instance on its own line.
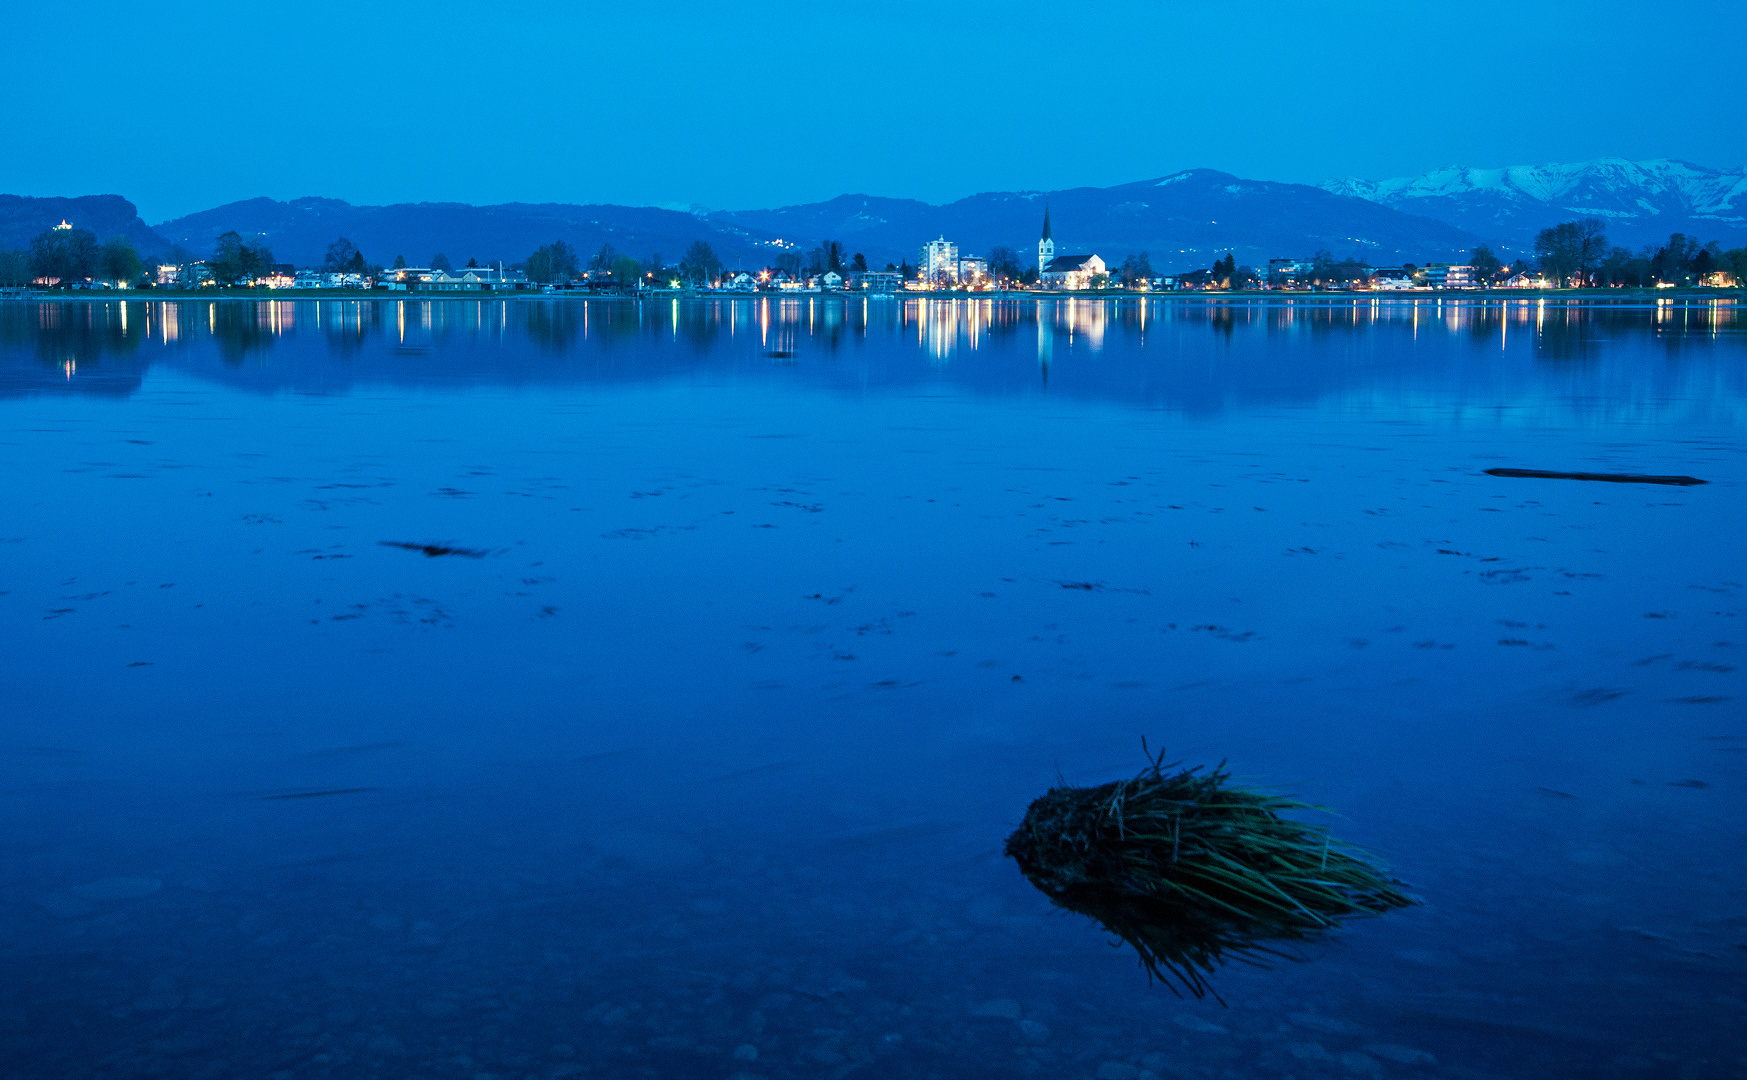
x=435 y=550
x=1605 y=477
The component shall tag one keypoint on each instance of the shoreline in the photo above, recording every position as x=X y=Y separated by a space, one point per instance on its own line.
x=380 y=296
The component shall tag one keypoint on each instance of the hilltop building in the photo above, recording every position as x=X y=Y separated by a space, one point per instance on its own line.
x=1065 y=271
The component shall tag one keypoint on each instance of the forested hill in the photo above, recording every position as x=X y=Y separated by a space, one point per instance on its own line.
x=23 y=217
x=299 y=231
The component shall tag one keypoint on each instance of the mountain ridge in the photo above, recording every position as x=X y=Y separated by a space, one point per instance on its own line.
x=1183 y=220
x=1641 y=201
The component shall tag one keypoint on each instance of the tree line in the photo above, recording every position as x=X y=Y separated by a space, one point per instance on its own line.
x=1578 y=252
x=66 y=256
x=1570 y=253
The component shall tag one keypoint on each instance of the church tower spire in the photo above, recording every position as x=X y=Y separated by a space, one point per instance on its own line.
x=1045 y=245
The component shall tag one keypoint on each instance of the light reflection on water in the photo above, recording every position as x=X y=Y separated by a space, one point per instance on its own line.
x=940 y=326
x=779 y=618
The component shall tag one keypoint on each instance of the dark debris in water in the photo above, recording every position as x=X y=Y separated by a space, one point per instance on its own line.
x=1609 y=478
x=435 y=550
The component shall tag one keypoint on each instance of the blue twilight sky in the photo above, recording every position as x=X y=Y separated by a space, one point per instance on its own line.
x=735 y=105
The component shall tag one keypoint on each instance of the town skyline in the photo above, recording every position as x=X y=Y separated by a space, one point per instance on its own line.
x=1182 y=221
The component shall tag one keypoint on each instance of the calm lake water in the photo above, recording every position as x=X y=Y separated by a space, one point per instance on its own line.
x=765 y=622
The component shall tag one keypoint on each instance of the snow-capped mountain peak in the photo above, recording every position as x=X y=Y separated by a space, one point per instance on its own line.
x=1642 y=201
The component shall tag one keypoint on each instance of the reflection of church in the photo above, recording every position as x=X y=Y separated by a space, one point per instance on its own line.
x=1064 y=271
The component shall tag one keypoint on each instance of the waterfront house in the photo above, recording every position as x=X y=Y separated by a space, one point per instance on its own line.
x=423 y=279
x=879 y=281
x=1444 y=276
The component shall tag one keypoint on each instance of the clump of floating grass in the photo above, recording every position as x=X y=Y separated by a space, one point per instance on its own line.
x=1192 y=870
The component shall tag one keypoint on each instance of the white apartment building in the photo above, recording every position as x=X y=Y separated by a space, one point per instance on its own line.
x=938 y=262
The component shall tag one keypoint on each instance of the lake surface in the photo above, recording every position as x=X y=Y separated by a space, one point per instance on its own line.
x=765 y=622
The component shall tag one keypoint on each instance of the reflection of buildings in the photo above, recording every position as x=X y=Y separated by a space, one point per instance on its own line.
x=1065 y=271
x=1045 y=344
x=991 y=340
x=1082 y=322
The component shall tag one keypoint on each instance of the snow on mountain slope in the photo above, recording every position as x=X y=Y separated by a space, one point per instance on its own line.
x=1641 y=201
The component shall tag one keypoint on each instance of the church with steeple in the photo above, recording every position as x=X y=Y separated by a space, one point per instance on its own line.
x=1045 y=246
x=1064 y=271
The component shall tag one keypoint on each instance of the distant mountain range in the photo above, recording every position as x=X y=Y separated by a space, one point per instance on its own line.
x=1183 y=221
x=1641 y=201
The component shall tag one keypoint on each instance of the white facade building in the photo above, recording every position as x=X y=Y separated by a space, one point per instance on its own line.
x=938 y=262
x=1073 y=271
x=1065 y=271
